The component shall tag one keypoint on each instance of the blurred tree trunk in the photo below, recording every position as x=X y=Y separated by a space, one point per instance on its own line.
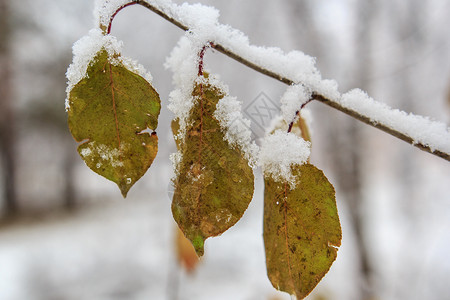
x=304 y=32
x=351 y=162
x=7 y=134
x=69 y=193
x=345 y=134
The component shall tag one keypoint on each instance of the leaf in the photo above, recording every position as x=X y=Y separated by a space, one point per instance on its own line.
x=175 y=126
x=301 y=230
x=302 y=126
x=187 y=257
x=299 y=127
x=214 y=185
x=109 y=111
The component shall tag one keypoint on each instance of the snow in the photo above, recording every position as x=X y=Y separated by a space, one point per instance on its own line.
x=328 y=88
x=281 y=151
x=104 y=10
x=292 y=100
x=435 y=135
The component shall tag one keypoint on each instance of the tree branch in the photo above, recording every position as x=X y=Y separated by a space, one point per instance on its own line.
x=288 y=81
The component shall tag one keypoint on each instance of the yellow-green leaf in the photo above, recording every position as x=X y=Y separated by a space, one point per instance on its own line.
x=215 y=183
x=301 y=230
x=109 y=110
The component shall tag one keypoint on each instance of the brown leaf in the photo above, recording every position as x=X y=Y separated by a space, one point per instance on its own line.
x=187 y=257
x=214 y=184
x=301 y=230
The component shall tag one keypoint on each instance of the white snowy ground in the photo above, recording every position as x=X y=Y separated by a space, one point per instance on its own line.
x=124 y=250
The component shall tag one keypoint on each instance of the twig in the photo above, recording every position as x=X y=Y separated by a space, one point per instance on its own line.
x=297 y=113
x=288 y=81
x=108 y=31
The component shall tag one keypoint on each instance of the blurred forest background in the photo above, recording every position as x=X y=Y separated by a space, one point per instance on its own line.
x=66 y=233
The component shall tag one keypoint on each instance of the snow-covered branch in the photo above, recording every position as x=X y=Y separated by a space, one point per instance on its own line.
x=297 y=68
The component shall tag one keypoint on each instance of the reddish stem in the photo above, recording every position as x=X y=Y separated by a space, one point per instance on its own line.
x=108 y=31
x=201 y=55
x=296 y=114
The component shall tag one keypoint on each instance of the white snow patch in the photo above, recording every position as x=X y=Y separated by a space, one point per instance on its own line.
x=200 y=19
x=328 y=88
x=176 y=158
x=109 y=154
x=237 y=128
x=435 y=135
x=279 y=152
x=85 y=152
x=292 y=100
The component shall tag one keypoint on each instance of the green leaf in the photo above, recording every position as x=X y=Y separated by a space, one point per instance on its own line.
x=109 y=110
x=214 y=185
x=301 y=230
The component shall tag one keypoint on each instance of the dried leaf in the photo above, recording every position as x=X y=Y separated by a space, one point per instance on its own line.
x=109 y=110
x=187 y=257
x=299 y=128
x=175 y=126
x=215 y=183
x=301 y=230
x=302 y=126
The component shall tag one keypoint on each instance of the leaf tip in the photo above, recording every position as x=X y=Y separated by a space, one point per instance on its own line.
x=199 y=245
x=124 y=188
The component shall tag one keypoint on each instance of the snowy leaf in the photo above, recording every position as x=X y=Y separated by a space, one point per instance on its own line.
x=214 y=182
x=301 y=230
x=111 y=112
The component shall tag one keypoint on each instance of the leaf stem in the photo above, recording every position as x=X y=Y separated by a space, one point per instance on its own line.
x=108 y=31
x=201 y=55
x=316 y=96
x=297 y=113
